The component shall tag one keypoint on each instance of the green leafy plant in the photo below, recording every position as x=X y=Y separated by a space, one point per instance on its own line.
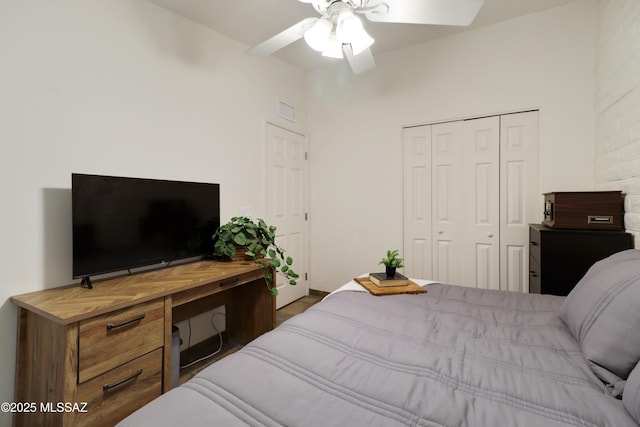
x=259 y=242
x=392 y=259
x=391 y=262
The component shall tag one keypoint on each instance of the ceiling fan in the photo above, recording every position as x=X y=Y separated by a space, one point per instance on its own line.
x=339 y=33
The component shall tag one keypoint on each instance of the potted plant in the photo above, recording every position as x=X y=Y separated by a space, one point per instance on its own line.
x=391 y=262
x=244 y=238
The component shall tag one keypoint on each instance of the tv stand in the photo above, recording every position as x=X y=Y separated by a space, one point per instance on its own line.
x=111 y=347
x=86 y=282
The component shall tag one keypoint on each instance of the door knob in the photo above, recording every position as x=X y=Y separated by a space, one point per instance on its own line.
x=490 y=234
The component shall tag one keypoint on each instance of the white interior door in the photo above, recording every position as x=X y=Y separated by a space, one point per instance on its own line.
x=286 y=190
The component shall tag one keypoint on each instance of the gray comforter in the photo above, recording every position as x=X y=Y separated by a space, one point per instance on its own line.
x=454 y=356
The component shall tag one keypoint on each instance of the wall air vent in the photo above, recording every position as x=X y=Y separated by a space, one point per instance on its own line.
x=286 y=111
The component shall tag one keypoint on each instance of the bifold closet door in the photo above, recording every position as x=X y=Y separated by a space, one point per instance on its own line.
x=451 y=215
x=465 y=202
x=468 y=199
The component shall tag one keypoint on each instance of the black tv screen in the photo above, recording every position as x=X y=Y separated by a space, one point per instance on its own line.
x=122 y=223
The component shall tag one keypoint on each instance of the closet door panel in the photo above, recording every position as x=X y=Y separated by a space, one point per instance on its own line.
x=448 y=202
x=417 y=202
x=521 y=202
x=481 y=178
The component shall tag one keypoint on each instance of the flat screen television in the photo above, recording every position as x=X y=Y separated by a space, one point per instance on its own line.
x=122 y=223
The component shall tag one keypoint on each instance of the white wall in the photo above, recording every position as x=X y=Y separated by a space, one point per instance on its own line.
x=545 y=60
x=118 y=87
x=618 y=105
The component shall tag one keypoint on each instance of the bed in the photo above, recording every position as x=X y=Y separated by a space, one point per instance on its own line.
x=454 y=356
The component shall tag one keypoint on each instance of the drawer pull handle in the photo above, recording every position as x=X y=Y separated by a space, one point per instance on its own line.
x=111 y=326
x=603 y=219
x=230 y=282
x=122 y=381
x=534 y=243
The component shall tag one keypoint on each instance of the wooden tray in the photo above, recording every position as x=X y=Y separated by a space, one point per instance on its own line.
x=411 y=288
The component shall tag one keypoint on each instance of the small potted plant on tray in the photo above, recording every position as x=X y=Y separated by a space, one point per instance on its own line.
x=243 y=238
x=391 y=262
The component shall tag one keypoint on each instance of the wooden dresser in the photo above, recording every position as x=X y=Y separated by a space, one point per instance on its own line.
x=558 y=258
x=93 y=356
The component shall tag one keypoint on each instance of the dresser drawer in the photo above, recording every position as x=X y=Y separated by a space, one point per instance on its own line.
x=112 y=396
x=534 y=243
x=116 y=338
x=534 y=276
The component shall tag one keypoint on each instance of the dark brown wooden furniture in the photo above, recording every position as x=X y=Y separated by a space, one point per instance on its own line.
x=588 y=210
x=110 y=346
x=559 y=258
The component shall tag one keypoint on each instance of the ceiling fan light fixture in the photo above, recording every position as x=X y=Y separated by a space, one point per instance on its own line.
x=347 y=25
x=317 y=37
x=349 y=30
x=322 y=6
x=361 y=41
x=334 y=48
x=339 y=32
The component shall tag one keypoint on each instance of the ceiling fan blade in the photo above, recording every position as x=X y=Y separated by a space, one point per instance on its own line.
x=435 y=12
x=280 y=40
x=359 y=63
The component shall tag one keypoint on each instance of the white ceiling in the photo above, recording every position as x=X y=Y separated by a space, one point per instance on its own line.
x=253 y=21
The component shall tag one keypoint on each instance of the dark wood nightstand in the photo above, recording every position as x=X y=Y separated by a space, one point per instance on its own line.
x=558 y=258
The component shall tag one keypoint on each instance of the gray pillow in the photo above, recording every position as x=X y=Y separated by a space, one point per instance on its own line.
x=603 y=314
x=631 y=396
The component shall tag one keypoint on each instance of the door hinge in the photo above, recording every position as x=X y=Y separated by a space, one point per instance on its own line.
x=306 y=276
x=306 y=216
x=306 y=155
